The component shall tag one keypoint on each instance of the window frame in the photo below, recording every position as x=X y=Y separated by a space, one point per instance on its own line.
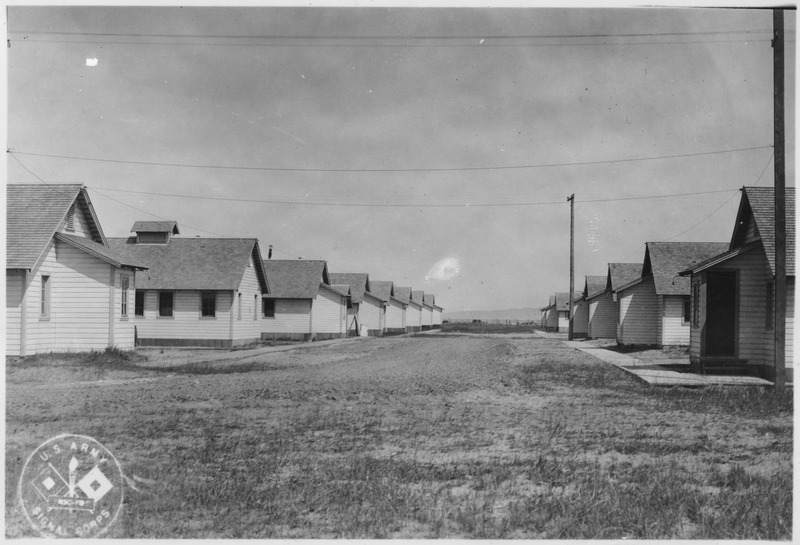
x=239 y=309
x=267 y=302
x=161 y=306
x=686 y=310
x=203 y=308
x=124 y=286
x=136 y=295
x=45 y=295
x=769 y=319
x=695 y=297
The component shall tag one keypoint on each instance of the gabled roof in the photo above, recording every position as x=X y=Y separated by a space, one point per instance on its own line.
x=383 y=289
x=594 y=285
x=193 y=263
x=155 y=227
x=33 y=215
x=562 y=299
x=98 y=250
x=418 y=296
x=551 y=303
x=341 y=289
x=358 y=283
x=664 y=260
x=758 y=204
x=402 y=293
x=429 y=299
x=620 y=274
x=296 y=278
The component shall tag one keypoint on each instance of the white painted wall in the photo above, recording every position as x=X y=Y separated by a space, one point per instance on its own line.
x=638 y=314
x=329 y=312
x=291 y=316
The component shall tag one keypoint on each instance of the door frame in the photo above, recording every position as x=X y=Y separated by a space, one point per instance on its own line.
x=736 y=287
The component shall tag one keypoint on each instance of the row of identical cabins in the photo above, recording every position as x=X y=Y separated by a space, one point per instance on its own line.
x=69 y=288
x=718 y=298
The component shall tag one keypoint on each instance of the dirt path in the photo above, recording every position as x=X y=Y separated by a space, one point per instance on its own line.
x=414 y=437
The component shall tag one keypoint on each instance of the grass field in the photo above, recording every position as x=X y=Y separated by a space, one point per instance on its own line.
x=474 y=437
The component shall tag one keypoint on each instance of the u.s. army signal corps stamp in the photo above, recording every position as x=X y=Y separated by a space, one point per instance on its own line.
x=71 y=486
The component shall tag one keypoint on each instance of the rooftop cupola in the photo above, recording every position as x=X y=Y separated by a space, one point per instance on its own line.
x=154 y=232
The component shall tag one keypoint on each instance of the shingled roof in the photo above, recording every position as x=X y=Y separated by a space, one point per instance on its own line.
x=664 y=260
x=33 y=215
x=296 y=278
x=595 y=285
x=620 y=274
x=155 y=227
x=418 y=296
x=98 y=250
x=382 y=289
x=562 y=299
x=402 y=293
x=193 y=263
x=358 y=283
x=758 y=203
x=429 y=299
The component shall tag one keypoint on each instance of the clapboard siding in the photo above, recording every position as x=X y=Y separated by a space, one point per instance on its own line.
x=329 y=313
x=249 y=327
x=413 y=317
x=437 y=317
x=395 y=315
x=124 y=325
x=370 y=312
x=291 y=316
x=185 y=322
x=790 y=323
x=638 y=308
x=674 y=331
x=15 y=289
x=755 y=342
x=80 y=286
x=602 y=317
x=698 y=307
x=580 y=318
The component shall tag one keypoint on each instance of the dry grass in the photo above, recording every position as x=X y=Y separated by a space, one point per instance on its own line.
x=425 y=438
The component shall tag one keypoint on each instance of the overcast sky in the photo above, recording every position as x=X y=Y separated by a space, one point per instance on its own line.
x=514 y=108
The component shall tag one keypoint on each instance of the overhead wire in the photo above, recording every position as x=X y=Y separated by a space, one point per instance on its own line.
x=376 y=170
x=400 y=205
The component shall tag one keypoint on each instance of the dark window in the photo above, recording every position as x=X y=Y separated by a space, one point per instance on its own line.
x=208 y=304
x=239 y=314
x=687 y=309
x=255 y=307
x=696 y=304
x=139 y=303
x=45 y=307
x=770 y=322
x=124 y=283
x=268 y=308
x=166 y=303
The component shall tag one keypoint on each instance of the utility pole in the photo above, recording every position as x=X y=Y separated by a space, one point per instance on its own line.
x=571 y=200
x=780 y=204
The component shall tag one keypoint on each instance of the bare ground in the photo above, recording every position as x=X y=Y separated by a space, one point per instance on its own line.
x=495 y=436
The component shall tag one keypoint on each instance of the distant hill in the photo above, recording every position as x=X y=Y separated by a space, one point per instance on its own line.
x=521 y=314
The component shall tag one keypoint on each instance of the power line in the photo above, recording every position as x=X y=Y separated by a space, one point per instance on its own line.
x=374 y=170
x=390 y=205
x=386 y=37
x=29 y=170
x=376 y=45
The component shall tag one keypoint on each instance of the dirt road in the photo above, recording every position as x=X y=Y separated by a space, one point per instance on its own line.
x=425 y=436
